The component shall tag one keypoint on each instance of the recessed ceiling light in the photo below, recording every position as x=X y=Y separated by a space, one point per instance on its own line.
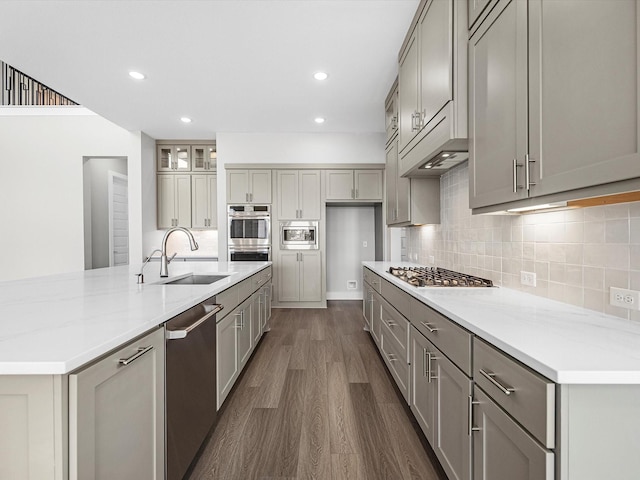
x=318 y=120
x=185 y=119
x=320 y=76
x=137 y=75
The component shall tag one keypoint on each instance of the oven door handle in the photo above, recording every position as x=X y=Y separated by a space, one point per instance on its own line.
x=178 y=334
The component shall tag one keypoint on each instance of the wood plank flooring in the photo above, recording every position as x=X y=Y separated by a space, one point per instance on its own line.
x=316 y=402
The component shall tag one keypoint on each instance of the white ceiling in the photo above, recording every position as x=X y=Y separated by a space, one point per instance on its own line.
x=230 y=65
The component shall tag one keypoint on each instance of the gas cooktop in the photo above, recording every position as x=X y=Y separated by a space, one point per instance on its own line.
x=437 y=277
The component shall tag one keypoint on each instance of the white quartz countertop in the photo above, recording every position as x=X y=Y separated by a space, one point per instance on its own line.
x=567 y=344
x=55 y=324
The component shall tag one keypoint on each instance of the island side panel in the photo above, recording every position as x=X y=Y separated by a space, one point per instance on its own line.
x=599 y=430
x=31 y=427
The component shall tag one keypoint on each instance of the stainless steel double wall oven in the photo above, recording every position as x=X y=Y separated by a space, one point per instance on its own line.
x=249 y=230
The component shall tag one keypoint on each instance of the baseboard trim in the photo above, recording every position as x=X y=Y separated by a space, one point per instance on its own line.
x=350 y=295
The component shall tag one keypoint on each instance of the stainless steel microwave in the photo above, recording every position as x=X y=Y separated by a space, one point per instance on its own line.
x=299 y=235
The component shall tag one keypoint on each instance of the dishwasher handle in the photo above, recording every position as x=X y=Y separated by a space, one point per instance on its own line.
x=182 y=333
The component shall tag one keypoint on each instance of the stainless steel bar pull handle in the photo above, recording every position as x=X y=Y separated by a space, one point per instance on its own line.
x=516 y=165
x=491 y=377
x=210 y=310
x=528 y=162
x=470 y=427
x=429 y=327
x=141 y=351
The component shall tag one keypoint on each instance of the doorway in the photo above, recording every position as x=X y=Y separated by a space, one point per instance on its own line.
x=106 y=212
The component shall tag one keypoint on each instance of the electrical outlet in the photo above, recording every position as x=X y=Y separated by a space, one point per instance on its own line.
x=352 y=284
x=528 y=278
x=432 y=260
x=621 y=297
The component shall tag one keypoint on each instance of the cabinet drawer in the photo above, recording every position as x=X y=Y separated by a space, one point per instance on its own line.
x=229 y=300
x=396 y=297
x=245 y=288
x=525 y=395
x=261 y=278
x=372 y=279
x=397 y=325
x=453 y=340
x=395 y=357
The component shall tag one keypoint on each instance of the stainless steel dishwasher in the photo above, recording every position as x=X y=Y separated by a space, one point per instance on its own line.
x=190 y=383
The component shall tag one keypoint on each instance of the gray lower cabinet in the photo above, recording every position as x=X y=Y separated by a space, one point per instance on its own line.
x=367 y=306
x=452 y=441
x=257 y=312
x=300 y=276
x=547 y=117
x=423 y=385
x=226 y=355
x=502 y=450
x=266 y=306
x=243 y=324
x=116 y=414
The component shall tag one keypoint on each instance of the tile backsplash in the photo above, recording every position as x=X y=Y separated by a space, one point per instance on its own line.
x=577 y=255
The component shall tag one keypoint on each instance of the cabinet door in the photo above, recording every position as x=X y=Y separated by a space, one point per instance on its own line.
x=452 y=441
x=256 y=317
x=423 y=384
x=368 y=184
x=182 y=160
x=502 y=450
x=339 y=185
x=268 y=294
x=289 y=276
x=376 y=320
x=183 y=200
x=498 y=106
x=367 y=304
x=584 y=96
x=116 y=409
x=199 y=201
x=244 y=333
x=260 y=186
x=310 y=277
x=203 y=158
x=391 y=116
x=212 y=180
x=408 y=92
x=391 y=169
x=166 y=200
x=436 y=66
x=237 y=186
x=165 y=158
x=226 y=354
x=309 y=194
x=287 y=194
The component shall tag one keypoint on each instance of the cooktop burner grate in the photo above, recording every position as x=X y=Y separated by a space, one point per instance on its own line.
x=437 y=277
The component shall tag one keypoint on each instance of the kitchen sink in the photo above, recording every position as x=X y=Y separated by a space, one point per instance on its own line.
x=195 y=280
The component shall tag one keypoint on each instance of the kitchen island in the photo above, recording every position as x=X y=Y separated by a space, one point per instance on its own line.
x=62 y=330
x=502 y=381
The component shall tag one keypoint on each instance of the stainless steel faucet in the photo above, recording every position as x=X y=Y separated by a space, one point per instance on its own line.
x=164 y=261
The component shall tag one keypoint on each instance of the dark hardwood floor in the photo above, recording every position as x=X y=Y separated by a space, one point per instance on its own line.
x=315 y=402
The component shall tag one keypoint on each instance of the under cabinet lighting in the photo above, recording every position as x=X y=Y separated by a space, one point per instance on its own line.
x=185 y=119
x=544 y=206
x=137 y=75
x=320 y=76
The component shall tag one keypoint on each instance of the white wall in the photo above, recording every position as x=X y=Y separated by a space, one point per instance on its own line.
x=41 y=189
x=303 y=148
x=347 y=230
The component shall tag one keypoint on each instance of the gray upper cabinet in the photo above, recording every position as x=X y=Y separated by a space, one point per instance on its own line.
x=362 y=185
x=174 y=158
x=298 y=194
x=203 y=158
x=566 y=120
x=391 y=114
x=432 y=85
x=249 y=186
x=498 y=113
